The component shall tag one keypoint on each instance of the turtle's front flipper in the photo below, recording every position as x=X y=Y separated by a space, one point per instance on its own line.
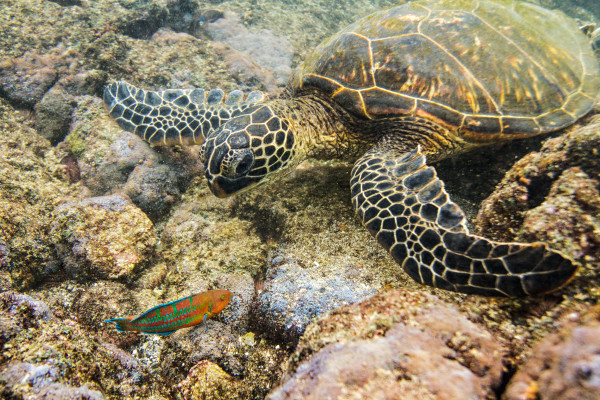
x=174 y=116
x=404 y=205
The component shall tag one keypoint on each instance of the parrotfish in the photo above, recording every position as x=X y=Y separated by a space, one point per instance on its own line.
x=183 y=313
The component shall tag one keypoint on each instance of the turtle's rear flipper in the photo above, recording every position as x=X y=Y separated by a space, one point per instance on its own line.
x=174 y=116
x=403 y=204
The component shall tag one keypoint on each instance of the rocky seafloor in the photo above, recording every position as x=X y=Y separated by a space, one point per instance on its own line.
x=96 y=224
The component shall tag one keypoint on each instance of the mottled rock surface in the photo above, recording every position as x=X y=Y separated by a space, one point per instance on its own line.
x=565 y=365
x=32 y=185
x=106 y=155
x=24 y=80
x=39 y=380
x=110 y=160
x=103 y=237
x=53 y=114
x=319 y=256
x=265 y=49
x=293 y=296
x=399 y=344
x=553 y=196
x=207 y=379
x=153 y=188
x=569 y=218
x=529 y=181
x=63 y=361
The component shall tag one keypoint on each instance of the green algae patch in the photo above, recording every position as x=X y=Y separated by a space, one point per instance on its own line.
x=93 y=129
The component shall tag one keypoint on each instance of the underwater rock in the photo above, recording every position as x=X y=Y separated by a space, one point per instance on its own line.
x=106 y=154
x=39 y=380
x=552 y=196
x=250 y=367
x=67 y=3
x=203 y=246
x=565 y=365
x=569 y=219
x=111 y=159
x=32 y=185
x=153 y=188
x=213 y=341
x=53 y=114
x=267 y=50
x=207 y=380
x=122 y=156
x=142 y=22
x=528 y=182
x=403 y=342
x=92 y=304
x=52 y=358
x=12 y=301
x=88 y=82
x=261 y=368
x=320 y=257
x=24 y=80
x=12 y=305
x=247 y=72
x=103 y=237
x=293 y=296
x=237 y=313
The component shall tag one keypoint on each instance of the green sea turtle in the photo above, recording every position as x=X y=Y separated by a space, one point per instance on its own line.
x=414 y=83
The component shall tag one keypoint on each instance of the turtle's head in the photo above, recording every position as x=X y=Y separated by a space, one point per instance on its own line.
x=250 y=149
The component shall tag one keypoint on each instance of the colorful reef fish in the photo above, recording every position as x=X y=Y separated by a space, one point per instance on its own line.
x=183 y=313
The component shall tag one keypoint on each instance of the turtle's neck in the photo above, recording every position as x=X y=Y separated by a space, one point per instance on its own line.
x=323 y=129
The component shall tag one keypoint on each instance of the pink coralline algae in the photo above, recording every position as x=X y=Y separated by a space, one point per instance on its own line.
x=565 y=366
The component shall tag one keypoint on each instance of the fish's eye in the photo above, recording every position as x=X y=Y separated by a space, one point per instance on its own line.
x=222 y=297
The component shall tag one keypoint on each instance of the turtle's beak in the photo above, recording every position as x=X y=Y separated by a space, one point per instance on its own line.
x=223 y=187
x=216 y=189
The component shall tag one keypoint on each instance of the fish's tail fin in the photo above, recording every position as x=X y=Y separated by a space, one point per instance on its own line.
x=122 y=325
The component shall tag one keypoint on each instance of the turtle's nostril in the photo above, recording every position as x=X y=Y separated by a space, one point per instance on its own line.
x=202 y=154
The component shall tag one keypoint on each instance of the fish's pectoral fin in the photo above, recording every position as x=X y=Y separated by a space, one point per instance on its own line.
x=158 y=333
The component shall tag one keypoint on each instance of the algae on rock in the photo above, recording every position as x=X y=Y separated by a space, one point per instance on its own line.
x=32 y=185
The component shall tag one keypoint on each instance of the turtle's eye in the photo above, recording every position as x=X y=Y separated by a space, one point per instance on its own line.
x=237 y=163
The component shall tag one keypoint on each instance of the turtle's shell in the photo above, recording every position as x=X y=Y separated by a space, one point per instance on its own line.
x=483 y=69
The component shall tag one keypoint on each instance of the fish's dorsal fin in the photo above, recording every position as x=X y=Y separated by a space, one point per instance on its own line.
x=154 y=309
